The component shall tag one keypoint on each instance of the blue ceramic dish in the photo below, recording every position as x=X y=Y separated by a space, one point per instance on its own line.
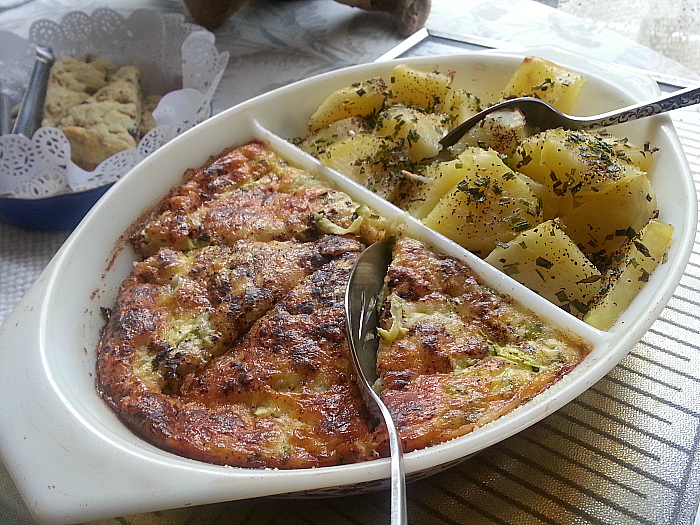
x=61 y=212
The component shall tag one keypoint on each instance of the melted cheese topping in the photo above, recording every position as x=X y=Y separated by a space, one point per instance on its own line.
x=464 y=355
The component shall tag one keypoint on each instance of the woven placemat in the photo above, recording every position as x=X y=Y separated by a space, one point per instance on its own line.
x=23 y=255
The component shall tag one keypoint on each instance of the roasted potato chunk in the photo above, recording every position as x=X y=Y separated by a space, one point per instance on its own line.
x=574 y=164
x=637 y=260
x=360 y=99
x=375 y=162
x=411 y=87
x=421 y=131
x=604 y=221
x=546 y=260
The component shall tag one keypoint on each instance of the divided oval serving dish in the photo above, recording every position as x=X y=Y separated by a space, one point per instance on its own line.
x=73 y=460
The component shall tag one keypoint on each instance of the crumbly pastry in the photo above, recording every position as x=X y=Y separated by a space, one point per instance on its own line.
x=250 y=192
x=74 y=80
x=98 y=130
x=237 y=355
x=227 y=343
x=98 y=106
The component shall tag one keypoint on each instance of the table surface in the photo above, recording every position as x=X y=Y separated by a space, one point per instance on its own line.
x=624 y=452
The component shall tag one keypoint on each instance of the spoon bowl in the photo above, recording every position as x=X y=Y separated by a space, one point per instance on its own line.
x=543 y=116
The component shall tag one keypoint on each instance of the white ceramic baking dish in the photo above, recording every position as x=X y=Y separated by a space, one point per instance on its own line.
x=73 y=460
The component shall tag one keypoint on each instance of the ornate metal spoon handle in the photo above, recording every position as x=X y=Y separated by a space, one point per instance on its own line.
x=542 y=116
x=364 y=287
x=676 y=100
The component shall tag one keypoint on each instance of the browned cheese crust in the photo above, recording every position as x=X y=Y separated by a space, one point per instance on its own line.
x=461 y=355
x=227 y=343
x=238 y=355
x=248 y=192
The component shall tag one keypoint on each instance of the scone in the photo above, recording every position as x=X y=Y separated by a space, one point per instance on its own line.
x=98 y=130
x=73 y=80
x=97 y=105
x=106 y=123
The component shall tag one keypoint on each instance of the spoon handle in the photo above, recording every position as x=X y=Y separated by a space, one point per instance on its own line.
x=399 y=512
x=361 y=300
x=679 y=99
x=32 y=108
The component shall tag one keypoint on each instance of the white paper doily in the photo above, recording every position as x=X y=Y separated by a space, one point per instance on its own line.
x=176 y=59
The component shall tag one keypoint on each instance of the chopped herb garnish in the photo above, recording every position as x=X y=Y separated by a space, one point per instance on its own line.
x=642 y=249
x=544 y=263
x=521 y=226
x=561 y=296
x=511 y=269
x=579 y=306
x=629 y=233
x=590 y=279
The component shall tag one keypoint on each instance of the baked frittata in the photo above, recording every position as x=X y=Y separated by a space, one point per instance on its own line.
x=227 y=342
x=455 y=354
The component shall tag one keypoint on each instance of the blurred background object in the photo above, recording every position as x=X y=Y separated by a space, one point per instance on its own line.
x=212 y=13
x=410 y=15
x=671 y=28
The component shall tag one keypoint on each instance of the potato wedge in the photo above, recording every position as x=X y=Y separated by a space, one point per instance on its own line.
x=316 y=143
x=411 y=87
x=627 y=152
x=433 y=184
x=374 y=162
x=605 y=220
x=502 y=131
x=639 y=259
x=361 y=99
x=459 y=106
x=421 y=131
x=572 y=165
x=492 y=203
x=537 y=77
x=548 y=262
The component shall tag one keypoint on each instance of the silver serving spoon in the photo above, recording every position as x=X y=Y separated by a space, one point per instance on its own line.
x=361 y=316
x=541 y=115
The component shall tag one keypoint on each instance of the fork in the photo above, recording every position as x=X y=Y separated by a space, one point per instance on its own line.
x=539 y=114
